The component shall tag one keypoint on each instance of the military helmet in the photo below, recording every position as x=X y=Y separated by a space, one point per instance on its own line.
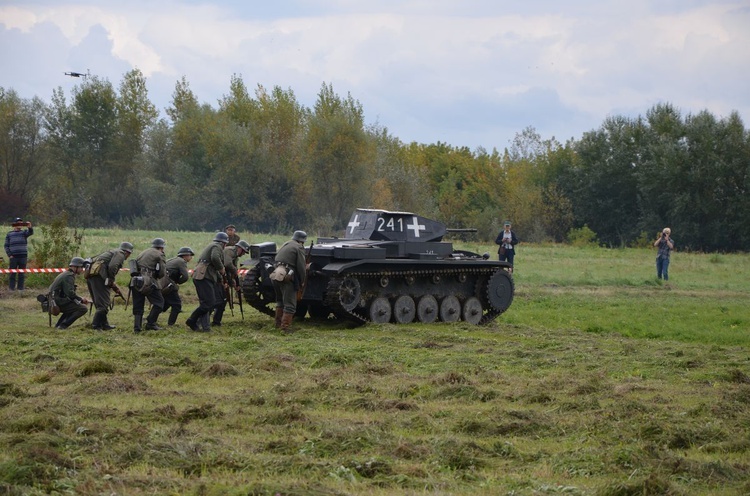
x=244 y=245
x=300 y=236
x=221 y=237
x=76 y=262
x=185 y=250
x=125 y=246
x=158 y=243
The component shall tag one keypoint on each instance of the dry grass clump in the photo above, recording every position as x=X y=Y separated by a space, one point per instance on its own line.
x=92 y=367
x=220 y=369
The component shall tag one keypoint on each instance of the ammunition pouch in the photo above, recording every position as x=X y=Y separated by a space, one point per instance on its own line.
x=143 y=283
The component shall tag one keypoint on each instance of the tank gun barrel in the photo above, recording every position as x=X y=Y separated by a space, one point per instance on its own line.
x=456 y=230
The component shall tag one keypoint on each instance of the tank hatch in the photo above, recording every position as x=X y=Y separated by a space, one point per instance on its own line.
x=383 y=225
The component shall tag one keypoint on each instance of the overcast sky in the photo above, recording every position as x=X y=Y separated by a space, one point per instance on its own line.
x=464 y=72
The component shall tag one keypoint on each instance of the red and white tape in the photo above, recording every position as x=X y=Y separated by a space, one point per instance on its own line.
x=242 y=272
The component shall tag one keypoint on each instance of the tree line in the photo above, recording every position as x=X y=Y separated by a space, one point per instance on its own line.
x=263 y=161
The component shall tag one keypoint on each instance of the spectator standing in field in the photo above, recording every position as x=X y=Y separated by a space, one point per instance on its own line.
x=665 y=244
x=150 y=267
x=231 y=256
x=16 y=247
x=101 y=282
x=507 y=240
x=63 y=289
x=231 y=231
x=177 y=274
x=287 y=278
x=208 y=278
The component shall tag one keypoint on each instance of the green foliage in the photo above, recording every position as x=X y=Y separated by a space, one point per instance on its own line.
x=582 y=236
x=56 y=245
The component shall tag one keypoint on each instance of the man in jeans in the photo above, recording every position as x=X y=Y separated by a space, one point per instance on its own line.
x=17 y=251
x=665 y=244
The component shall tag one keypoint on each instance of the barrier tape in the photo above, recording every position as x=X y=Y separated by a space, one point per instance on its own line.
x=241 y=272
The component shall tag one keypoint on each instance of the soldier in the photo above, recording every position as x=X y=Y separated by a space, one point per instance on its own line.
x=290 y=259
x=231 y=256
x=150 y=266
x=177 y=273
x=17 y=251
x=231 y=231
x=63 y=290
x=101 y=282
x=208 y=278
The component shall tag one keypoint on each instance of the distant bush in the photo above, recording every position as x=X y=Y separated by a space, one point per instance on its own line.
x=583 y=236
x=56 y=248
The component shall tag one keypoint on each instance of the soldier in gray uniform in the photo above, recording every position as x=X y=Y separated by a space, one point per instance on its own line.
x=63 y=290
x=150 y=266
x=231 y=256
x=291 y=259
x=177 y=274
x=101 y=282
x=208 y=278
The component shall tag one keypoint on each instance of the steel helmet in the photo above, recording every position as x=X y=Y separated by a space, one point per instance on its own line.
x=158 y=243
x=125 y=246
x=185 y=250
x=300 y=236
x=221 y=237
x=76 y=262
x=244 y=245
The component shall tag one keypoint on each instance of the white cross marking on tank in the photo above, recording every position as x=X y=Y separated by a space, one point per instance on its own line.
x=353 y=224
x=416 y=227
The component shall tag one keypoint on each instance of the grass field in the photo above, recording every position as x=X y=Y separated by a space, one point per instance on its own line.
x=599 y=379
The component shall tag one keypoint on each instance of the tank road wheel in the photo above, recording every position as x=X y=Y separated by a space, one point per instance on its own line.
x=427 y=309
x=349 y=294
x=450 y=309
x=473 y=310
x=256 y=295
x=500 y=291
x=380 y=310
x=404 y=309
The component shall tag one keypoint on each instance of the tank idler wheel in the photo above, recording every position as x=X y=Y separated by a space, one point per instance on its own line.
x=427 y=309
x=500 y=291
x=473 y=310
x=404 y=309
x=380 y=310
x=450 y=309
x=349 y=294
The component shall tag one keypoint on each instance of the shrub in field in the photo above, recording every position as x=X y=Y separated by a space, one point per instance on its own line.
x=581 y=237
x=56 y=248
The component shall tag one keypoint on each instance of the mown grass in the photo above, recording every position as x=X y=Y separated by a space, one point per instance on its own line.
x=598 y=380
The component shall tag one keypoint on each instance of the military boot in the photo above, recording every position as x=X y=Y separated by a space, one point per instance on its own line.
x=279 y=313
x=218 y=314
x=137 y=323
x=151 y=324
x=97 y=322
x=205 y=326
x=173 y=313
x=286 y=323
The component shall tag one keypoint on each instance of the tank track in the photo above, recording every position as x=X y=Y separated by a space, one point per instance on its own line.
x=253 y=294
x=494 y=288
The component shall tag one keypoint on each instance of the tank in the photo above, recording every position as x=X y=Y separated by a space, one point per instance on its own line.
x=388 y=267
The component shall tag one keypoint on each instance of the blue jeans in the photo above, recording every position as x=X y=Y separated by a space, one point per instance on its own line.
x=17 y=263
x=662 y=268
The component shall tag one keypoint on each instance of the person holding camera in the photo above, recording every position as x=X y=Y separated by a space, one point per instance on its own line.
x=16 y=247
x=665 y=244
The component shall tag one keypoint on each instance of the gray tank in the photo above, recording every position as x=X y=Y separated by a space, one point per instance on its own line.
x=389 y=267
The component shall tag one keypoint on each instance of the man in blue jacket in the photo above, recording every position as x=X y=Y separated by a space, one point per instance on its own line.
x=17 y=251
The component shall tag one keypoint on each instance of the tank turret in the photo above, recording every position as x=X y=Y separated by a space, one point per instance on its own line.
x=389 y=267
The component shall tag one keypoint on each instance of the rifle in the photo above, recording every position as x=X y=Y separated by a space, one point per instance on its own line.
x=230 y=299
x=239 y=299
x=128 y=300
x=301 y=290
x=49 y=307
